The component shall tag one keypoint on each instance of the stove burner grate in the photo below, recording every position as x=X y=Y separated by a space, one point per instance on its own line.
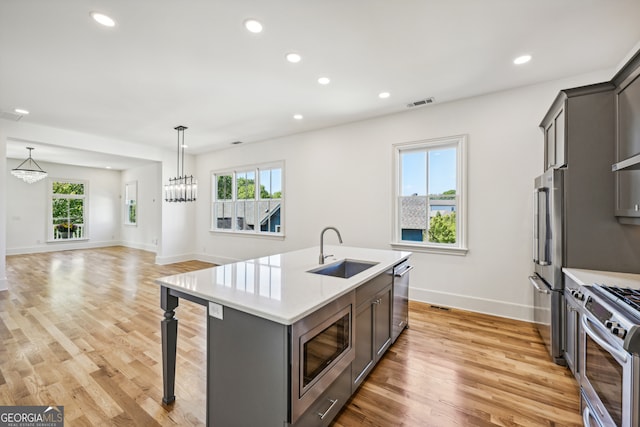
x=630 y=296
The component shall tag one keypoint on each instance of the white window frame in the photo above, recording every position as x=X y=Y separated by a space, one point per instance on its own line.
x=460 y=247
x=128 y=202
x=85 y=209
x=234 y=172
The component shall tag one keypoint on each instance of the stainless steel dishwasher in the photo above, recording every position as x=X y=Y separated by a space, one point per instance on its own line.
x=400 y=298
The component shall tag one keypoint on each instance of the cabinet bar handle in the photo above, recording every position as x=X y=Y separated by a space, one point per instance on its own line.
x=333 y=403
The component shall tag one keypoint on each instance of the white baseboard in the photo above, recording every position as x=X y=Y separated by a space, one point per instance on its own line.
x=4 y=284
x=62 y=246
x=164 y=260
x=142 y=246
x=478 y=305
x=214 y=259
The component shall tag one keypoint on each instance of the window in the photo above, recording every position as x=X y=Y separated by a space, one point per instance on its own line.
x=68 y=209
x=131 y=203
x=248 y=200
x=430 y=195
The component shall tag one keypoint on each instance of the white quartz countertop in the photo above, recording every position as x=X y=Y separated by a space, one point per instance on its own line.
x=279 y=287
x=608 y=278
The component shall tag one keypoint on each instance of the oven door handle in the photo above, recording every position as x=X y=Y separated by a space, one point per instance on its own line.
x=586 y=415
x=620 y=356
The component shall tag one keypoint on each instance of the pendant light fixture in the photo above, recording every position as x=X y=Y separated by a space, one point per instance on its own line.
x=182 y=188
x=29 y=171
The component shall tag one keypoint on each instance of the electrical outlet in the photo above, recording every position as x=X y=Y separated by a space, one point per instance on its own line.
x=215 y=310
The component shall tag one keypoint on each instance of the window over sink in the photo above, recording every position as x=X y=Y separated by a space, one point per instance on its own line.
x=430 y=195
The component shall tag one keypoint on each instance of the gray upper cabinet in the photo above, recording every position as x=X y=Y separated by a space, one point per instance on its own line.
x=579 y=123
x=554 y=138
x=627 y=152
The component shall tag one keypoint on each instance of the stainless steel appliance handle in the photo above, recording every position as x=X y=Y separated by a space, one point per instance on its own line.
x=333 y=403
x=541 y=242
x=586 y=414
x=536 y=237
x=534 y=281
x=405 y=271
x=619 y=355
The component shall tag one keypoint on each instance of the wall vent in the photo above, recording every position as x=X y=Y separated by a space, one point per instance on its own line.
x=421 y=102
x=10 y=116
x=236 y=142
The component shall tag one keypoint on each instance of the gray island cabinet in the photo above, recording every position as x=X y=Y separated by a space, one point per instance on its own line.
x=285 y=346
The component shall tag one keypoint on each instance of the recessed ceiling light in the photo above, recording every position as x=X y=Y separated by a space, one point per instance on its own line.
x=253 y=26
x=107 y=167
x=384 y=95
x=522 y=59
x=298 y=116
x=293 y=57
x=324 y=80
x=103 y=19
x=20 y=111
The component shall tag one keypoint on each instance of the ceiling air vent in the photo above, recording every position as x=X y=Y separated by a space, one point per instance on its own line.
x=421 y=102
x=10 y=116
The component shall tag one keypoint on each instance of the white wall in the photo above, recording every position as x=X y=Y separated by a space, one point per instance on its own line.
x=342 y=176
x=3 y=216
x=177 y=230
x=27 y=210
x=177 y=237
x=146 y=233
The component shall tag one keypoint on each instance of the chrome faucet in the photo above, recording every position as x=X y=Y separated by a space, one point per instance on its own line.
x=322 y=255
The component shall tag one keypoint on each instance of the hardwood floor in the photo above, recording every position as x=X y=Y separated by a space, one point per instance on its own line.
x=82 y=329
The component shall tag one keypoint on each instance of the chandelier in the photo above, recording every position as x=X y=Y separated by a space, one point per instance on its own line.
x=182 y=188
x=29 y=171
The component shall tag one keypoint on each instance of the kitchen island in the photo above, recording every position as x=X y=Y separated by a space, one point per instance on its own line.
x=260 y=316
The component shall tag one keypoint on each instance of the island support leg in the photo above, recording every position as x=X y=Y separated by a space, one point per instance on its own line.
x=169 y=328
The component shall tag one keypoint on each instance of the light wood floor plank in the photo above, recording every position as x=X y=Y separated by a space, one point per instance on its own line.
x=82 y=329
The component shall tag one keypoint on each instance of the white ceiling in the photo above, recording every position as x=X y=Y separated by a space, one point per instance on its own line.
x=192 y=63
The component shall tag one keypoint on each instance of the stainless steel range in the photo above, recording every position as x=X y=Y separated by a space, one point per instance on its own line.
x=610 y=348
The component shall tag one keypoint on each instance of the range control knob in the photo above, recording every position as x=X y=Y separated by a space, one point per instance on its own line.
x=608 y=324
x=577 y=294
x=619 y=332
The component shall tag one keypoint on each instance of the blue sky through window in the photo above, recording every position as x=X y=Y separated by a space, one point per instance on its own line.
x=441 y=176
x=271 y=179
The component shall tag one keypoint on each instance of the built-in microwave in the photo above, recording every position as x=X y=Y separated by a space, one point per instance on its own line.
x=321 y=349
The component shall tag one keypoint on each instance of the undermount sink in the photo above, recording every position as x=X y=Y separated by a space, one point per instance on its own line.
x=345 y=268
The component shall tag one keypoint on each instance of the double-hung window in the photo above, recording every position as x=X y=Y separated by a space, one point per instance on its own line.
x=430 y=195
x=68 y=205
x=131 y=203
x=248 y=200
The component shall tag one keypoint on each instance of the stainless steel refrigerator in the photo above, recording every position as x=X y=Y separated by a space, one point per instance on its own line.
x=547 y=260
x=573 y=221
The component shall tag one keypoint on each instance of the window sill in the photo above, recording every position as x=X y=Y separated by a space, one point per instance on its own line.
x=78 y=239
x=432 y=249
x=272 y=236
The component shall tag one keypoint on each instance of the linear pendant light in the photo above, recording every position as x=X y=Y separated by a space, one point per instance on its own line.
x=182 y=188
x=29 y=171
